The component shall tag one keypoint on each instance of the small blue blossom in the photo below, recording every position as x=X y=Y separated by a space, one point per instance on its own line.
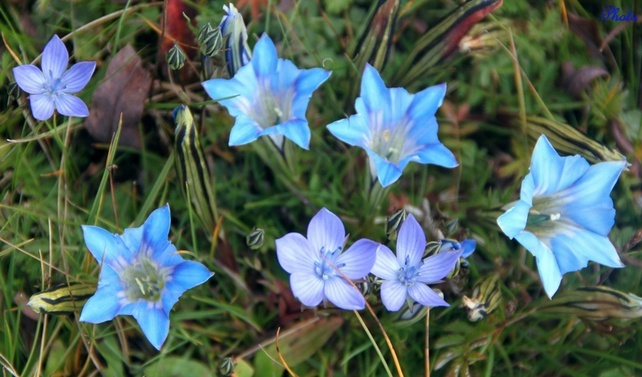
x=317 y=264
x=268 y=97
x=237 y=51
x=564 y=214
x=142 y=275
x=394 y=127
x=466 y=246
x=52 y=88
x=407 y=275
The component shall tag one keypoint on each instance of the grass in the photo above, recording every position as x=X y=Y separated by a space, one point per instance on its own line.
x=55 y=177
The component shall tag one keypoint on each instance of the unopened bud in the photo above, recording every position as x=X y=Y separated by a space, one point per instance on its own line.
x=393 y=224
x=175 y=58
x=255 y=238
x=210 y=40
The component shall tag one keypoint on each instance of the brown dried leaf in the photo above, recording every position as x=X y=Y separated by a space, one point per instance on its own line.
x=124 y=90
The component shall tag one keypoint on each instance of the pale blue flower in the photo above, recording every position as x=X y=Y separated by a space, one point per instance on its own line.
x=394 y=127
x=237 y=51
x=142 y=275
x=268 y=97
x=564 y=214
x=407 y=275
x=318 y=266
x=52 y=88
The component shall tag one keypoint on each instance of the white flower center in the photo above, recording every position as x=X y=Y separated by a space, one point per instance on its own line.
x=325 y=268
x=143 y=279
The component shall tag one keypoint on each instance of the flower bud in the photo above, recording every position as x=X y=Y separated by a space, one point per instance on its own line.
x=175 y=58
x=595 y=304
x=393 y=224
x=486 y=298
x=210 y=40
x=226 y=367
x=255 y=238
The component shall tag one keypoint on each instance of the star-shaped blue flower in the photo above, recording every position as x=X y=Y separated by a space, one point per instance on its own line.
x=268 y=97
x=564 y=214
x=142 y=275
x=407 y=275
x=314 y=263
x=52 y=88
x=394 y=127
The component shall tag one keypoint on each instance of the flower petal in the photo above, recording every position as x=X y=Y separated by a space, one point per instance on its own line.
x=54 y=59
x=156 y=229
x=513 y=221
x=411 y=242
x=132 y=238
x=295 y=253
x=265 y=57
x=75 y=79
x=42 y=106
x=245 y=130
x=353 y=130
x=551 y=172
x=104 y=305
x=468 y=247
x=437 y=154
x=185 y=276
x=434 y=268
x=586 y=246
x=426 y=102
x=153 y=321
x=69 y=105
x=103 y=245
x=547 y=265
x=296 y=130
x=393 y=295
x=306 y=83
x=358 y=260
x=343 y=295
x=374 y=93
x=30 y=79
x=386 y=265
x=307 y=287
x=387 y=172
x=426 y=296
x=326 y=231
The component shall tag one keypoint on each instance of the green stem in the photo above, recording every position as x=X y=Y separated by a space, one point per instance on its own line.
x=383 y=360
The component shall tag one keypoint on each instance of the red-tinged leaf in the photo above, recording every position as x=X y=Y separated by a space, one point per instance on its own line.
x=466 y=22
x=177 y=29
x=123 y=92
x=576 y=81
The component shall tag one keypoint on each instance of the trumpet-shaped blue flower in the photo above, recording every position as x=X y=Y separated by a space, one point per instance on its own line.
x=268 y=97
x=407 y=275
x=142 y=275
x=237 y=52
x=52 y=87
x=318 y=266
x=564 y=214
x=394 y=127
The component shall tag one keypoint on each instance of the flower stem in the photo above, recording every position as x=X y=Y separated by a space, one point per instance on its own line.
x=374 y=343
x=427 y=342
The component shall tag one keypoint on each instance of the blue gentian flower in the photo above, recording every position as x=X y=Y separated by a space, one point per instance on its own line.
x=394 y=127
x=142 y=275
x=407 y=275
x=318 y=265
x=564 y=214
x=268 y=97
x=52 y=88
x=237 y=51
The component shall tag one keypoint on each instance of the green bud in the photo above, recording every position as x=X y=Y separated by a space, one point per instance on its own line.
x=595 y=304
x=226 y=367
x=486 y=298
x=210 y=40
x=393 y=224
x=255 y=238
x=175 y=58
x=432 y=248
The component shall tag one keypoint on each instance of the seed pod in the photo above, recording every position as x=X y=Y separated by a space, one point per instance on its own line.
x=393 y=224
x=255 y=238
x=210 y=40
x=193 y=172
x=175 y=58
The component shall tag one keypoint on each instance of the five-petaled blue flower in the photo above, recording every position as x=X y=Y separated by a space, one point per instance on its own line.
x=52 y=88
x=564 y=214
x=394 y=127
x=318 y=267
x=142 y=275
x=407 y=275
x=268 y=97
